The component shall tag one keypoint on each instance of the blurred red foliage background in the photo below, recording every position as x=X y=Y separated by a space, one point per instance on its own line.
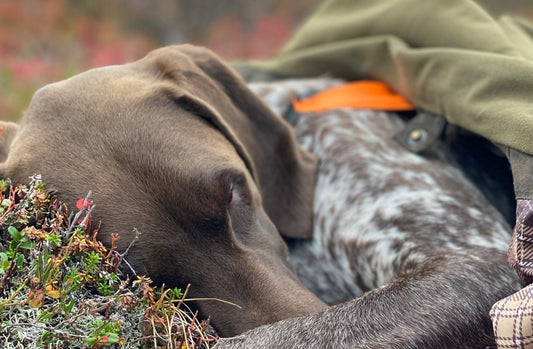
x=42 y=41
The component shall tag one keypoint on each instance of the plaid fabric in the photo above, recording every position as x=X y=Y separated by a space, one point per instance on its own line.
x=512 y=319
x=521 y=248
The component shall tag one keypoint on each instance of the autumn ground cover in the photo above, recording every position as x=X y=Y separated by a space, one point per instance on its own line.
x=61 y=288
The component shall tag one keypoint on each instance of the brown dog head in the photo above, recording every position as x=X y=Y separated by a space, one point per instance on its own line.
x=177 y=147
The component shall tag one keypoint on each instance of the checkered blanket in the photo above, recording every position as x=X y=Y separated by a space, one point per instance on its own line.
x=512 y=317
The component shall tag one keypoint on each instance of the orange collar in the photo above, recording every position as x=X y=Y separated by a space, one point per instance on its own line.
x=364 y=94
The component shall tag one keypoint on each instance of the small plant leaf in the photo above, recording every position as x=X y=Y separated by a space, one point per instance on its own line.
x=5 y=265
x=68 y=307
x=19 y=260
x=27 y=245
x=112 y=338
x=35 y=298
x=90 y=340
x=54 y=239
x=51 y=291
x=15 y=233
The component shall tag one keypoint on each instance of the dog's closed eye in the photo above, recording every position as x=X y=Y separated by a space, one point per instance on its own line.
x=239 y=198
x=239 y=192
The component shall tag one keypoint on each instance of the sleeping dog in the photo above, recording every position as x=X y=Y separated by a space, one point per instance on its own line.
x=177 y=147
x=409 y=235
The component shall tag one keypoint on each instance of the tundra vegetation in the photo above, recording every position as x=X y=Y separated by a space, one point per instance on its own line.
x=61 y=288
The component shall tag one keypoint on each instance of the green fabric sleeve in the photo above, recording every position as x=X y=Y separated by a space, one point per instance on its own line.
x=449 y=57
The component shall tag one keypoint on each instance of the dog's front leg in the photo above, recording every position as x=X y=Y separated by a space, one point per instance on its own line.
x=443 y=302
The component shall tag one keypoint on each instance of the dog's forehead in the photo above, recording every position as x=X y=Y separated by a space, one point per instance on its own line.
x=124 y=108
x=100 y=86
x=139 y=76
x=121 y=96
x=131 y=97
x=126 y=113
x=141 y=87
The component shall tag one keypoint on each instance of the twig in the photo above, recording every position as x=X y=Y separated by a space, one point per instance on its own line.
x=11 y=204
x=14 y=294
x=74 y=218
x=122 y=255
x=208 y=299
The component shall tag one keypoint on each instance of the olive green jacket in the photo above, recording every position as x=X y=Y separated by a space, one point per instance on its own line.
x=450 y=58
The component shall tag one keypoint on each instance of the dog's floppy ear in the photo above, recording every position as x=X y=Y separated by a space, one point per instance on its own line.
x=284 y=173
x=8 y=131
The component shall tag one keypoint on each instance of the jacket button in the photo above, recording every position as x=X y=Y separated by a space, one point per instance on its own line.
x=417 y=135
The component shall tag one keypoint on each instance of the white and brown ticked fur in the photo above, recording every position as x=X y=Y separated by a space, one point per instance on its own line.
x=413 y=228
